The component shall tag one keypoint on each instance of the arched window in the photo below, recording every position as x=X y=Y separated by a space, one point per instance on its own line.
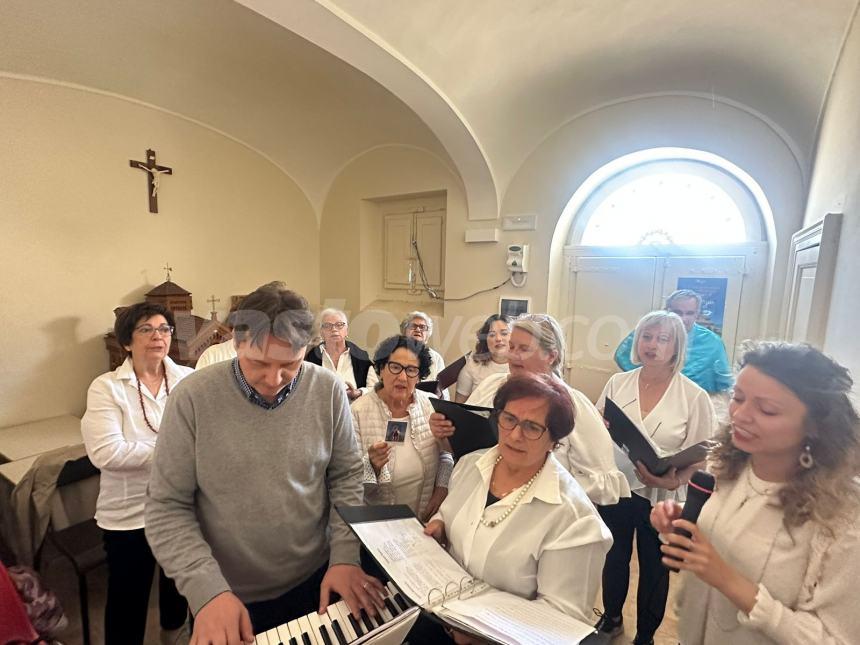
x=668 y=201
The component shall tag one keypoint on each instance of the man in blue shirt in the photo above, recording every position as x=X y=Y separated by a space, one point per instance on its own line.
x=707 y=364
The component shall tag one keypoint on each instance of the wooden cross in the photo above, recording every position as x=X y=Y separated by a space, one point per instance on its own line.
x=153 y=177
x=212 y=300
x=167 y=268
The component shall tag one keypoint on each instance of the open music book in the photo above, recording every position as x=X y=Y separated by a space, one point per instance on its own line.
x=638 y=447
x=434 y=581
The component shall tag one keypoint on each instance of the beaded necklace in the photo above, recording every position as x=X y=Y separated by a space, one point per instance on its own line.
x=523 y=490
x=140 y=396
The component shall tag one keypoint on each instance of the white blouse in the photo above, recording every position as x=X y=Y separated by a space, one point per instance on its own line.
x=683 y=417
x=120 y=444
x=473 y=374
x=807 y=580
x=551 y=548
x=586 y=452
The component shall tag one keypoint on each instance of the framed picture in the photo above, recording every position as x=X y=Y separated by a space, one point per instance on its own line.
x=513 y=307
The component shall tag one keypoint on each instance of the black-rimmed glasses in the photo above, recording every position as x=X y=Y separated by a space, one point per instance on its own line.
x=418 y=327
x=149 y=330
x=395 y=368
x=330 y=326
x=507 y=422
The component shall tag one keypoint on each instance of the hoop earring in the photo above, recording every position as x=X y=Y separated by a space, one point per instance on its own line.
x=806 y=461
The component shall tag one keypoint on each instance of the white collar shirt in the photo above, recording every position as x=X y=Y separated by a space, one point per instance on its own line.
x=343 y=369
x=551 y=547
x=120 y=443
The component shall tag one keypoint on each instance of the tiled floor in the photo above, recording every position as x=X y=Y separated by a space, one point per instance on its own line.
x=60 y=577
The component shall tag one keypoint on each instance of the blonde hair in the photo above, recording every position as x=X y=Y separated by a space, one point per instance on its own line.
x=662 y=318
x=548 y=333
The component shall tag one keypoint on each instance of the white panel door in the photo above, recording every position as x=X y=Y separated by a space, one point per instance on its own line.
x=609 y=295
x=430 y=237
x=397 y=233
x=719 y=280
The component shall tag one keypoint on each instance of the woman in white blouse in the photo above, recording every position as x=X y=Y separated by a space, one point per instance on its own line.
x=120 y=428
x=403 y=462
x=343 y=357
x=489 y=357
x=536 y=346
x=514 y=517
x=775 y=555
x=674 y=413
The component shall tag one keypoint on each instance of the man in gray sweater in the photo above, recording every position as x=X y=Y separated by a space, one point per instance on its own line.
x=252 y=455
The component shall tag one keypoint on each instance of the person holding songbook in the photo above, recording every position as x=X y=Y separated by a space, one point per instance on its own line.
x=515 y=517
x=673 y=413
x=536 y=346
x=403 y=462
x=775 y=554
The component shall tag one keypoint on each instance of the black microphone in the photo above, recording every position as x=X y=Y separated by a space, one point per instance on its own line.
x=699 y=490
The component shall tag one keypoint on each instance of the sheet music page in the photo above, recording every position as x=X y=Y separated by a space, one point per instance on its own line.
x=510 y=619
x=416 y=562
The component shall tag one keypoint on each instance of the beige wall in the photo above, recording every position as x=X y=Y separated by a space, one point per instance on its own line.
x=548 y=179
x=835 y=188
x=78 y=240
x=398 y=171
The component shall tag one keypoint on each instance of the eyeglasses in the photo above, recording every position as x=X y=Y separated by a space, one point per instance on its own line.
x=330 y=326
x=149 y=330
x=418 y=327
x=396 y=368
x=531 y=430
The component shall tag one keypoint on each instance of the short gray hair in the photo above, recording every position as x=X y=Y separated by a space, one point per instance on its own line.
x=662 y=319
x=684 y=294
x=548 y=333
x=412 y=315
x=330 y=311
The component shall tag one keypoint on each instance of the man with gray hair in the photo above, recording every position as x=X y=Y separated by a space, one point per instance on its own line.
x=252 y=457
x=707 y=364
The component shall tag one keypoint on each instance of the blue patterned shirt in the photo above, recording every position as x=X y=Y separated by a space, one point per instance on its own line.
x=255 y=397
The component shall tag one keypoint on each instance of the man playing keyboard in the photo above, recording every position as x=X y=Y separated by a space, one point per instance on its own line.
x=252 y=456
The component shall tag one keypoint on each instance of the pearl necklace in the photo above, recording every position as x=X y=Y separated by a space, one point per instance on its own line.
x=523 y=490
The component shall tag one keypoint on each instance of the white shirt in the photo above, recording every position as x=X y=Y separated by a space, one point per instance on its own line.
x=807 y=581
x=437 y=364
x=683 y=417
x=551 y=548
x=119 y=442
x=343 y=369
x=225 y=351
x=586 y=452
x=473 y=374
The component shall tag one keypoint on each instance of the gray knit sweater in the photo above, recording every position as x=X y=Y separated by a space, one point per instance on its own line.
x=242 y=498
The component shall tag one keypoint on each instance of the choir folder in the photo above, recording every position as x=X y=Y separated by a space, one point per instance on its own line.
x=640 y=448
x=432 y=580
x=475 y=428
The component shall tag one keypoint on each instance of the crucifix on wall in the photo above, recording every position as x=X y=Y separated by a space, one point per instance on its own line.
x=153 y=176
x=213 y=301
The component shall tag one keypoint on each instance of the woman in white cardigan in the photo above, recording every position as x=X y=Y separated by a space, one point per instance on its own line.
x=673 y=413
x=403 y=462
x=536 y=346
x=120 y=428
x=775 y=554
x=515 y=518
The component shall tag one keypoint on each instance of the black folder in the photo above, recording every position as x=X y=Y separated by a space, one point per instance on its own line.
x=444 y=379
x=475 y=428
x=629 y=438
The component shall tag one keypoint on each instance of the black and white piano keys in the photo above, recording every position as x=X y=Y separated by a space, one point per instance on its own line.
x=335 y=627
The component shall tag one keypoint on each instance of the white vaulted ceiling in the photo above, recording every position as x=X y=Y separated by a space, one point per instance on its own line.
x=480 y=83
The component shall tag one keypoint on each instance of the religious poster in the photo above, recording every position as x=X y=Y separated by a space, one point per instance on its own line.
x=713 y=292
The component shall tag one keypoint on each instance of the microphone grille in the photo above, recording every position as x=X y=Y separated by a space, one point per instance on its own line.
x=704 y=481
